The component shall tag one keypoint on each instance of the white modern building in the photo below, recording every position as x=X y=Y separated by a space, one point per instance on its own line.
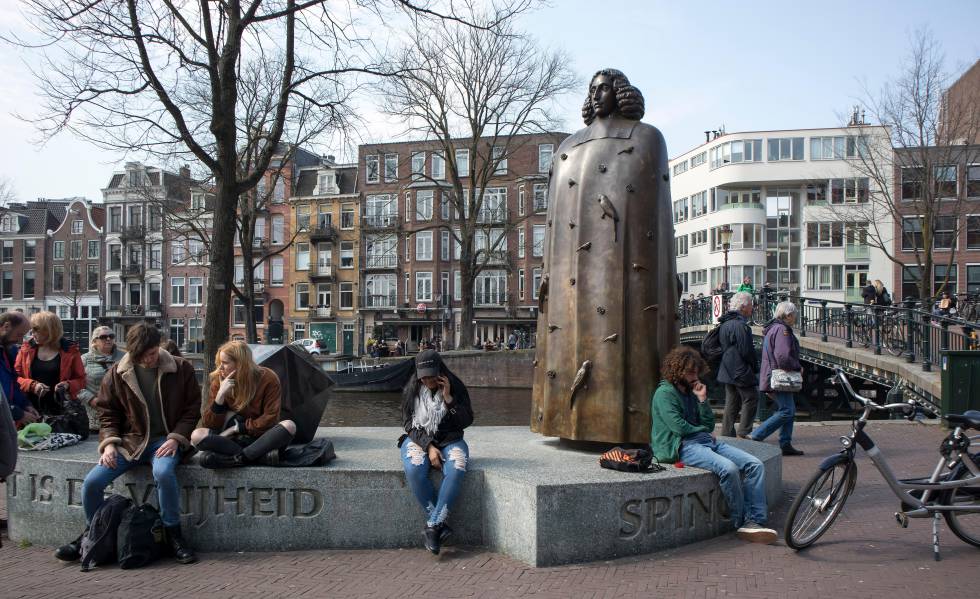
x=797 y=204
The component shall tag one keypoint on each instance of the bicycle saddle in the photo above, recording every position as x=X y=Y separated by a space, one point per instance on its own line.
x=968 y=419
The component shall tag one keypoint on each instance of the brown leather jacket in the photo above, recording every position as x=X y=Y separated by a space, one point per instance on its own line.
x=261 y=414
x=123 y=415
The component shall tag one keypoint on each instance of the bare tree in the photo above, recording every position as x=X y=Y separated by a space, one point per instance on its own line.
x=477 y=89
x=7 y=192
x=166 y=79
x=914 y=201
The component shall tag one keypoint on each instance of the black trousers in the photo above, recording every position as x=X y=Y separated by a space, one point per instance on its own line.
x=250 y=447
x=739 y=399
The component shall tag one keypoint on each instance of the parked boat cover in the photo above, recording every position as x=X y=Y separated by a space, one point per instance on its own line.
x=305 y=386
x=391 y=377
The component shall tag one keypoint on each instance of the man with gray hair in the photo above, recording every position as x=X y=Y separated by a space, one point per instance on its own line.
x=739 y=369
x=13 y=326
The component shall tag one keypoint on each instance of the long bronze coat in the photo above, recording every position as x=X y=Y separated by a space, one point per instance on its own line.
x=609 y=300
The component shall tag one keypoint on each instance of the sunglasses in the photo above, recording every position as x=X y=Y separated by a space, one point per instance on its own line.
x=106 y=337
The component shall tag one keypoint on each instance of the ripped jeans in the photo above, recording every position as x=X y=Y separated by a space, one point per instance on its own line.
x=415 y=460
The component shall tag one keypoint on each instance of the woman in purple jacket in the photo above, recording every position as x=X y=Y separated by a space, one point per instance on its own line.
x=780 y=350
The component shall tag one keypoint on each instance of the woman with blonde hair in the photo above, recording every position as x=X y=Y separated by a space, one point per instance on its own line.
x=241 y=420
x=101 y=356
x=49 y=363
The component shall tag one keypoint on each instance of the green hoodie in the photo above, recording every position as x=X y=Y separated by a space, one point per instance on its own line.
x=669 y=426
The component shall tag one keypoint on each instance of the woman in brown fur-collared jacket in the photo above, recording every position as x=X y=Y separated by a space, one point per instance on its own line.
x=241 y=421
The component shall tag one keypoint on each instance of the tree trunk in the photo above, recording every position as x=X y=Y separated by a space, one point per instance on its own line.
x=466 y=278
x=221 y=271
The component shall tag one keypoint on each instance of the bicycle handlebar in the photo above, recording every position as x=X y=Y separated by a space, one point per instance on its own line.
x=910 y=407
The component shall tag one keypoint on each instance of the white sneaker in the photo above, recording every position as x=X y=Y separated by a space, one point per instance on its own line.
x=756 y=533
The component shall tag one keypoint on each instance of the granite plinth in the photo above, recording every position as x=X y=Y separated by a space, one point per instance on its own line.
x=524 y=496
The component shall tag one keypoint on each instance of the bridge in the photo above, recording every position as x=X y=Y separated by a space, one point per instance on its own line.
x=884 y=346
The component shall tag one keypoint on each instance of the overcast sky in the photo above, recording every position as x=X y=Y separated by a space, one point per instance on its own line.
x=747 y=65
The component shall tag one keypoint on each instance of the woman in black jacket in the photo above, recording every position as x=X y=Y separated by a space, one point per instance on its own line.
x=435 y=410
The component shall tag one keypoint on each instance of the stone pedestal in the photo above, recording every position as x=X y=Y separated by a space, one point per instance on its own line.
x=524 y=496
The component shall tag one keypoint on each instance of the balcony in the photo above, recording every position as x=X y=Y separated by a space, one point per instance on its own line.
x=321 y=313
x=382 y=262
x=490 y=300
x=113 y=311
x=133 y=270
x=497 y=258
x=321 y=270
x=492 y=215
x=380 y=221
x=258 y=286
x=260 y=243
x=379 y=302
x=154 y=311
x=133 y=232
x=322 y=232
x=756 y=205
x=857 y=252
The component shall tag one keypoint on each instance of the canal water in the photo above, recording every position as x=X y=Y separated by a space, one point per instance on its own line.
x=491 y=407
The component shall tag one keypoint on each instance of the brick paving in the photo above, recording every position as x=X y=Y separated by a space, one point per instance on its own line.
x=865 y=555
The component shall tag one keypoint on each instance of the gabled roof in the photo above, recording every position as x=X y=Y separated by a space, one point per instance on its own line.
x=346 y=180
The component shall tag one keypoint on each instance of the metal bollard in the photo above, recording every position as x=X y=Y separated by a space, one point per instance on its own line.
x=823 y=320
x=926 y=354
x=849 y=315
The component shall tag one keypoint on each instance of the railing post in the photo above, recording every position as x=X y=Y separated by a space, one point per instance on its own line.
x=849 y=325
x=944 y=335
x=801 y=308
x=926 y=354
x=909 y=330
x=968 y=333
x=876 y=310
x=823 y=320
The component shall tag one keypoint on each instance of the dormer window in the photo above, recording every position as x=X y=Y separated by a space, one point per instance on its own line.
x=134 y=178
x=327 y=183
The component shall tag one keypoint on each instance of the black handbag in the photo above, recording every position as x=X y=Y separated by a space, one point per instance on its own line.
x=72 y=419
x=629 y=460
x=140 y=537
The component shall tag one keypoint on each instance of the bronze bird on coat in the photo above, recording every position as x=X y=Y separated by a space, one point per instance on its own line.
x=580 y=376
x=543 y=291
x=609 y=210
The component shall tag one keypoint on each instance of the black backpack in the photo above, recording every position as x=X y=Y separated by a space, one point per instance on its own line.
x=886 y=298
x=72 y=417
x=629 y=460
x=140 y=537
x=99 y=542
x=711 y=349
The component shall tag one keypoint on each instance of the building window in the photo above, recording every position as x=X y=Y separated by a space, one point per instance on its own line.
x=391 y=167
x=825 y=277
x=76 y=250
x=680 y=245
x=195 y=288
x=277 y=270
x=423 y=286
x=520 y=284
x=499 y=158
x=699 y=159
x=848 y=191
x=540 y=197
x=371 y=169
x=59 y=250
x=824 y=235
x=8 y=252
x=92 y=277
x=299 y=331
x=155 y=299
x=303 y=256
x=29 y=284
x=438 y=166
x=423 y=204
x=177 y=254
x=680 y=167
x=973 y=181
x=944 y=233
x=346 y=296
x=537 y=240
x=418 y=166
x=423 y=245
x=490 y=288
x=699 y=204
x=699 y=277
x=323 y=295
x=93 y=249
x=941 y=282
x=278 y=229
x=279 y=189
x=346 y=254
x=302 y=296
x=347 y=216
x=521 y=241
x=115 y=219
x=699 y=237
x=463 y=163
x=58 y=278
x=744 y=237
x=30 y=250
x=973 y=278
x=785 y=148
x=115 y=295
x=741 y=150
x=303 y=217
x=535 y=282
x=444 y=246
x=912 y=179
x=837 y=147
x=177 y=291
x=77 y=227
x=545 y=152
x=680 y=210
x=945 y=181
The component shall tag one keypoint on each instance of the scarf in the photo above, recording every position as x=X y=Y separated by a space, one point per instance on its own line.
x=429 y=410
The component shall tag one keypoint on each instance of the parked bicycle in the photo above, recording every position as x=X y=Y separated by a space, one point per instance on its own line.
x=952 y=490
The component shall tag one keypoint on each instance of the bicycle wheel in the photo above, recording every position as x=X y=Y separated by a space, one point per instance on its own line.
x=893 y=336
x=818 y=504
x=861 y=332
x=965 y=525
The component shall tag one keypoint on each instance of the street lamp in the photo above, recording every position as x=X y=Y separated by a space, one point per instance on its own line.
x=725 y=232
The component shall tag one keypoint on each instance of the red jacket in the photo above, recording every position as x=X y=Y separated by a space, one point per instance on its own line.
x=72 y=369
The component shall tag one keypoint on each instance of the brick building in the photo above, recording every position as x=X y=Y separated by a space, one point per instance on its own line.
x=75 y=269
x=188 y=228
x=325 y=256
x=24 y=252
x=410 y=286
x=960 y=117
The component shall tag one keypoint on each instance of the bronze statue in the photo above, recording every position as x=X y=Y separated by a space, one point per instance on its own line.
x=608 y=298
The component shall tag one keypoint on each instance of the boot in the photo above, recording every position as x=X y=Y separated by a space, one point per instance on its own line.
x=431 y=534
x=789 y=450
x=71 y=552
x=214 y=460
x=269 y=459
x=182 y=551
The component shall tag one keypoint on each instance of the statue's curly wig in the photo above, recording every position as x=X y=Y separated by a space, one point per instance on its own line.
x=679 y=361
x=629 y=100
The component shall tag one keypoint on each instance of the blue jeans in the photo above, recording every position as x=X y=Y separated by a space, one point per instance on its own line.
x=164 y=474
x=415 y=460
x=746 y=500
x=782 y=419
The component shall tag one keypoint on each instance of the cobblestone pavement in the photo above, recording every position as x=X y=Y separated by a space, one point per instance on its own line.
x=865 y=555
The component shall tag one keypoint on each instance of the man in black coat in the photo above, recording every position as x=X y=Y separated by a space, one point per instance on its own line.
x=739 y=369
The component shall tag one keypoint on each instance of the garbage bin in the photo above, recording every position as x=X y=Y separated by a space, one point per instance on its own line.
x=960 y=379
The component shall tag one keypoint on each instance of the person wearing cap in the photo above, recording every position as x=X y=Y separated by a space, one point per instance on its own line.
x=435 y=410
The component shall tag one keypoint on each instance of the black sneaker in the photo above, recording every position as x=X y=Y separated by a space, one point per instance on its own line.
x=72 y=551
x=431 y=535
x=791 y=451
x=444 y=533
x=182 y=552
x=756 y=533
x=214 y=461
